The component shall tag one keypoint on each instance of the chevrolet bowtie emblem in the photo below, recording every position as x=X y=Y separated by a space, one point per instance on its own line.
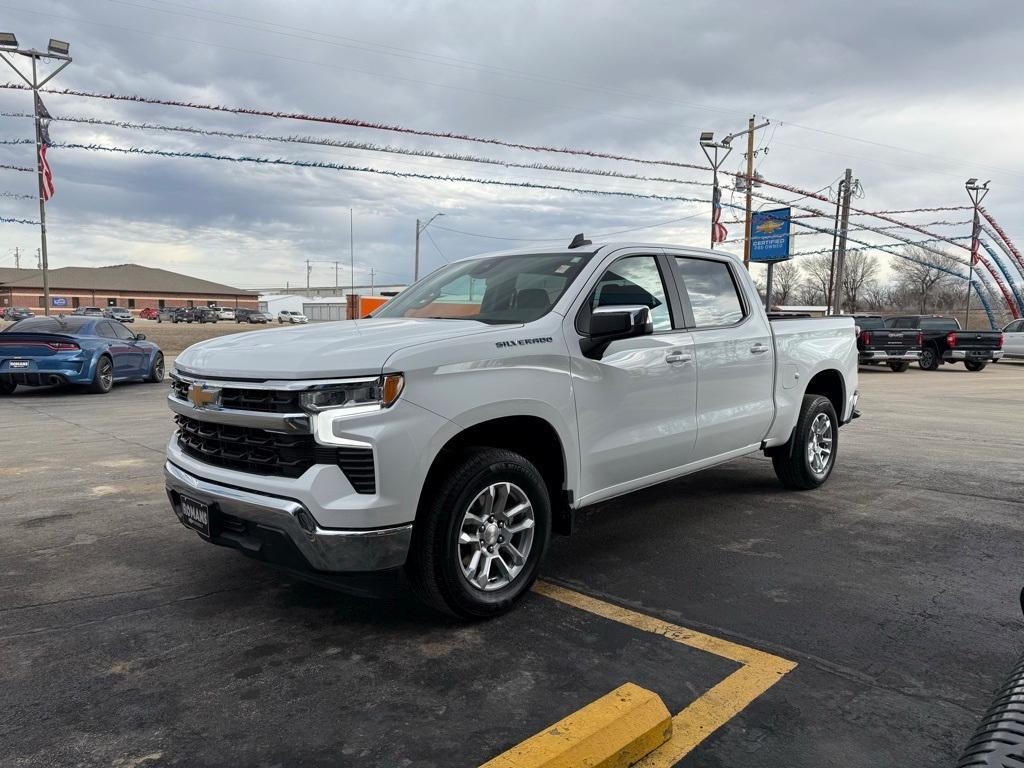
x=201 y=396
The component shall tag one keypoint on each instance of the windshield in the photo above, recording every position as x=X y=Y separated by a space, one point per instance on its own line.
x=496 y=289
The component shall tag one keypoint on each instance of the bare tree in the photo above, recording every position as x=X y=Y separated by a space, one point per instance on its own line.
x=818 y=270
x=786 y=280
x=924 y=275
x=859 y=272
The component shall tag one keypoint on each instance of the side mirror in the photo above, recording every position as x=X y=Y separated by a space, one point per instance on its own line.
x=140 y=337
x=608 y=324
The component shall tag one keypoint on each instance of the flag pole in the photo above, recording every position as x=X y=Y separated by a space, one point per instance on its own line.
x=57 y=50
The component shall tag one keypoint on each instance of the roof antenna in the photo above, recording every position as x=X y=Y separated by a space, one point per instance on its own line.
x=579 y=240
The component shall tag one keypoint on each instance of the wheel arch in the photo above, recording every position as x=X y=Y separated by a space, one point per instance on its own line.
x=533 y=437
x=829 y=383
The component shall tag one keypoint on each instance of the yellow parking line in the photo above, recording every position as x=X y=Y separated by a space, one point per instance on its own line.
x=759 y=672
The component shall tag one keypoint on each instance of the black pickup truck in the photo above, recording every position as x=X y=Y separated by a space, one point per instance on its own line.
x=878 y=345
x=946 y=342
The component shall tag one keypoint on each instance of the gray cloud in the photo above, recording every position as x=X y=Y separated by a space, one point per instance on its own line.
x=941 y=79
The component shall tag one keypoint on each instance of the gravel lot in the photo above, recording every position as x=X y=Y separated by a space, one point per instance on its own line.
x=126 y=641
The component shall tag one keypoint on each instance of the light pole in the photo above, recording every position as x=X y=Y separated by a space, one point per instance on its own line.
x=420 y=228
x=56 y=50
x=715 y=152
x=977 y=193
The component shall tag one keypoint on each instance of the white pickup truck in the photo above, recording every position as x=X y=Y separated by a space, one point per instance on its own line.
x=445 y=438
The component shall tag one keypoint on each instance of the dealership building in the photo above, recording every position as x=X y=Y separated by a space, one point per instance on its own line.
x=125 y=285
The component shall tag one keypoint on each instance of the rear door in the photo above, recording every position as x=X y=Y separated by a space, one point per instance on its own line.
x=124 y=354
x=1013 y=339
x=636 y=406
x=735 y=356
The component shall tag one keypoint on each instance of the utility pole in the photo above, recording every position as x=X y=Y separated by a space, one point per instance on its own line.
x=352 y=252
x=336 y=277
x=39 y=259
x=716 y=158
x=309 y=270
x=420 y=228
x=372 y=273
x=977 y=193
x=56 y=50
x=844 y=223
x=17 y=258
x=750 y=192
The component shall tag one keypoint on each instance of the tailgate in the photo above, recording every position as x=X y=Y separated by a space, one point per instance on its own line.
x=981 y=340
x=886 y=339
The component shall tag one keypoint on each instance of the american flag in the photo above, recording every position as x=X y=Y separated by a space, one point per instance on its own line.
x=718 y=230
x=975 y=240
x=44 y=144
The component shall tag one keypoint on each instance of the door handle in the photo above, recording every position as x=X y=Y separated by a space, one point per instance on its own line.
x=759 y=349
x=672 y=358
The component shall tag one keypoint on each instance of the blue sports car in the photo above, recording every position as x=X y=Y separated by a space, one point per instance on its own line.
x=93 y=351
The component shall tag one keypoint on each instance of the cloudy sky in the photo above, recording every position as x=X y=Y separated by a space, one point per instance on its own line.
x=915 y=97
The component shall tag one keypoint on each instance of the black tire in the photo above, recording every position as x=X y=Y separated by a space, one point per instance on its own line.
x=792 y=462
x=7 y=386
x=899 y=367
x=103 y=378
x=156 y=369
x=435 y=564
x=930 y=360
x=974 y=366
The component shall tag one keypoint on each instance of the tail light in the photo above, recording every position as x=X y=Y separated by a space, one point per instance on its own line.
x=865 y=337
x=920 y=339
x=951 y=338
x=63 y=346
x=999 y=345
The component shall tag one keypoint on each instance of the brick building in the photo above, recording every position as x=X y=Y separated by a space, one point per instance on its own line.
x=125 y=285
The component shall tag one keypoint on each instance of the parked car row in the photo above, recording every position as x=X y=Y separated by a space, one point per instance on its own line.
x=932 y=340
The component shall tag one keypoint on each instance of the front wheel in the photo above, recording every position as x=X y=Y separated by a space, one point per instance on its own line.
x=806 y=461
x=480 y=534
x=899 y=367
x=103 y=379
x=975 y=366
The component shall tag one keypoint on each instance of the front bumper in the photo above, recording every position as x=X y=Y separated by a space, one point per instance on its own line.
x=966 y=354
x=874 y=356
x=277 y=529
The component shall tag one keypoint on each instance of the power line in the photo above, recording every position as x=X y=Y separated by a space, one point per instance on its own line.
x=378 y=171
x=356 y=123
x=365 y=146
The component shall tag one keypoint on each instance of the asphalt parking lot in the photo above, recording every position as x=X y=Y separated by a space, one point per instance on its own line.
x=126 y=641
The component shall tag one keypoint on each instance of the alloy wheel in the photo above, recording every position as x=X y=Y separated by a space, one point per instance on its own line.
x=496 y=536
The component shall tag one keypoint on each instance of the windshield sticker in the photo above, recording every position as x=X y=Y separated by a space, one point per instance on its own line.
x=562 y=269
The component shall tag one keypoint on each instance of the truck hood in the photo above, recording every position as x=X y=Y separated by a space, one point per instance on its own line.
x=322 y=350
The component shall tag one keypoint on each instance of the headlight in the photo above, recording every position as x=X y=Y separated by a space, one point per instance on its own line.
x=381 y=392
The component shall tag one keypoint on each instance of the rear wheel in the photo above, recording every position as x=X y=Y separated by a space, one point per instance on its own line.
x=899 y=367
x=930 y=360
x=103 y=379
x=975 y=366
x=156 y=369
x=806 y=461
x=480 y=534
x=7 y=386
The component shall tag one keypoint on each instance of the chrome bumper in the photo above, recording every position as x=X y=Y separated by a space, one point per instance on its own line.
x=962 y=354
x=882 y=355
x=325 y=549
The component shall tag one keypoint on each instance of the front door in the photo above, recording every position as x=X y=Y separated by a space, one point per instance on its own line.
x=636 y=406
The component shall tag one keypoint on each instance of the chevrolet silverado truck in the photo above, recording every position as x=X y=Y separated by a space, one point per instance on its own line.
x=445 y=438
x=878 y=345
x=944 y=341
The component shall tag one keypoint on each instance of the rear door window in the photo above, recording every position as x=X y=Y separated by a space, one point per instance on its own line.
x=714 y=298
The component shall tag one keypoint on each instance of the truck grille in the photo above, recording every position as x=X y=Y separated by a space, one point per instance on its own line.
x=236 y=399
x=261 y=452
